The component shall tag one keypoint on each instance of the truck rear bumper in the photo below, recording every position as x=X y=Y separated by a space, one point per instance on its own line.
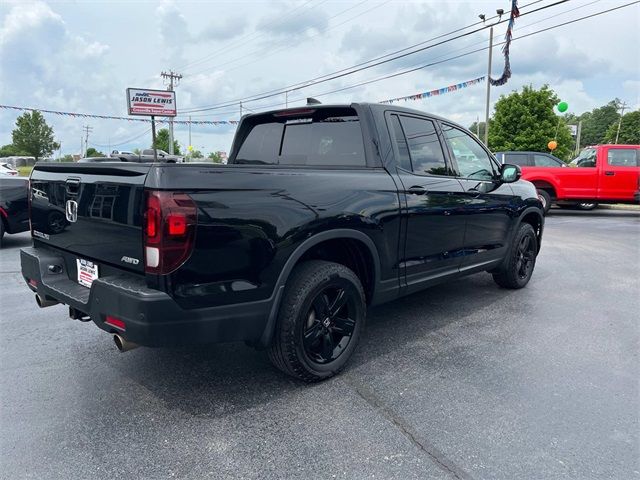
x=149 y=317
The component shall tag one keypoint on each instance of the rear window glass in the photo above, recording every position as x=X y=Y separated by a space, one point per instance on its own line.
x=324 y=137
x=622 y=157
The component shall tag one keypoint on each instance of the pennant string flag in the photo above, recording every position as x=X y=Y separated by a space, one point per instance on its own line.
x=506 y=73
x=437 y=92
x=128 y=119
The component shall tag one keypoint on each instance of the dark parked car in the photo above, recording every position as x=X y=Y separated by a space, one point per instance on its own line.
x=14 y=205
x=321 y=212
x=530 y=159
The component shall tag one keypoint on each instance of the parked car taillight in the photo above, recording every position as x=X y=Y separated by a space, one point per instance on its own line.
x=169 y=230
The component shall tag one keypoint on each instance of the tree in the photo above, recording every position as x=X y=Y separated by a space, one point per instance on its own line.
x=215 y=157
x=11 y=150
x=477 y=129
x=33 y=135
x=162 y=141
x=196 y=154
x=136 y=151
x=67 y=158
x=92 y=152
x=629 y=130
x=526 y=121
x=596 y=122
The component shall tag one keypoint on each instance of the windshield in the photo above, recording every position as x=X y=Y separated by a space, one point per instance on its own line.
x=587 y=158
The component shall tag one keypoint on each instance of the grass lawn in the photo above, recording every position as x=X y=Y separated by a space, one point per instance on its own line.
x=25 y=171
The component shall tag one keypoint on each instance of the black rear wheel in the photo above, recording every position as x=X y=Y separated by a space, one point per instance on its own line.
x=320 y=320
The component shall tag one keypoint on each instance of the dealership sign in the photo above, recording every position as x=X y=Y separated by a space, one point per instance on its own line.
x=142 y=101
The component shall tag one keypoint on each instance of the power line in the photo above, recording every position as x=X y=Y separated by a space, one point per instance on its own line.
x=235 y=45
x=284 y=47
x=482 y=42
x=123 y=142
x=364 y=65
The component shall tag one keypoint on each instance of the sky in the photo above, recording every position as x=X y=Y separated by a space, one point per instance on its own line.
x=80 y=56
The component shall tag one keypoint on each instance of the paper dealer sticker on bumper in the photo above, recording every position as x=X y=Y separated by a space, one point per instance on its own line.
x=87 y=272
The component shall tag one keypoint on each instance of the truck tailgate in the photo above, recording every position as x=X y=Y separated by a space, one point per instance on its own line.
x=94 y=211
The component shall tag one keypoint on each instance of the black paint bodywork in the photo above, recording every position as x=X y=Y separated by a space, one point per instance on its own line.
x=254 y=223
x=14 y=205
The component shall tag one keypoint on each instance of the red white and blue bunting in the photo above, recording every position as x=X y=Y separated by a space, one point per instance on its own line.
x=438 y=91
x=128 y=119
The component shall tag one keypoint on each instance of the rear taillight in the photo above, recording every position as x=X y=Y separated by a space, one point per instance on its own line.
x=169 y=230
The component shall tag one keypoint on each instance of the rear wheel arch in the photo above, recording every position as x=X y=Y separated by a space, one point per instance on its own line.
x=534 y=218
x=308 y=250
x=547 y=186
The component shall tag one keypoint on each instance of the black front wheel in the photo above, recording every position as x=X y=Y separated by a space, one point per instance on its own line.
x=518 y=266
x=320 y=320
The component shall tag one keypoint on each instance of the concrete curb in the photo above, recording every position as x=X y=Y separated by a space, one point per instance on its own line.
x=620 y=206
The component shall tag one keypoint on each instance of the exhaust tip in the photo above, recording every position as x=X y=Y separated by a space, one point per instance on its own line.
x=43 y=302
x=122 y=344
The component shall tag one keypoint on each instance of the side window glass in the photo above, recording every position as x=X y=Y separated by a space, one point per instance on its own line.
x=425 y=150
x=544 y=161
x=516 y=159
x=473 y=161
x=403 y=161
x=622 y=157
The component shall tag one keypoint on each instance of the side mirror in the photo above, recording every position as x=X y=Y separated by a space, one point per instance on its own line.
x=510 y=173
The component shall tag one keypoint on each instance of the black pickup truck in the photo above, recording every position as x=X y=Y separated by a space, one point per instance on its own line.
x=321 y=212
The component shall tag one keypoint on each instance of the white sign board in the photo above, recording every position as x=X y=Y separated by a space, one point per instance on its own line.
x=574 y=130
x=160 y=103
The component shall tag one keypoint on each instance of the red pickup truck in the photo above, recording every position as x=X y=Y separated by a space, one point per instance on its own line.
x=601 y=174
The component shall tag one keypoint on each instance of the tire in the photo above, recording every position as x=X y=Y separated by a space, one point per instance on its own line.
x=521 y=260
x=545 y=198
x=306 y=345
x=587 y=205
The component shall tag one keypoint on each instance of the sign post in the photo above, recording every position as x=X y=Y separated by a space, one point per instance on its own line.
x=153 y=103
x=153 y=139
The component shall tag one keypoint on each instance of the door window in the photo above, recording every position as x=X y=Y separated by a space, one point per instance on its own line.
x=403 y=149
x=544 y=161
x=622 y=157
x=425 y=149
x=473 y=161
x=521 y=159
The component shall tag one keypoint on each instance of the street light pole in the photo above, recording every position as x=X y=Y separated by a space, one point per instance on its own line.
x=486 y=113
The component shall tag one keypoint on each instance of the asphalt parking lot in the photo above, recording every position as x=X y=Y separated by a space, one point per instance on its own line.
x=464 y=380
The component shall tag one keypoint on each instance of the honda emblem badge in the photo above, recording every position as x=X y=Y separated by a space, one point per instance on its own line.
x=71 y=211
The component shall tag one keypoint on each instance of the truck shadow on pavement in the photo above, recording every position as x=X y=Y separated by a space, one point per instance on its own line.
x=218 y=380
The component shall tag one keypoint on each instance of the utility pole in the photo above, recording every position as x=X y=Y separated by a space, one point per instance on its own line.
x=189 y=130
x=174 y=80
x=87 y=129
x=486 y=112
x=240 y=109
x=578 y=134
x=622 y=109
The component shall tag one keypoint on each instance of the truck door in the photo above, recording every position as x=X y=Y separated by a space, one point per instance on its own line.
x=487 y=201
x=432 y=202
x=619 y=171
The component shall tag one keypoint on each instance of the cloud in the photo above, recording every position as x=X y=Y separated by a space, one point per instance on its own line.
x=220 y=29
x=174 y=32
x=294 y=24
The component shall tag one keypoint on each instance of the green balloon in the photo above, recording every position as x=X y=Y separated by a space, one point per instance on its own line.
x=563 y=107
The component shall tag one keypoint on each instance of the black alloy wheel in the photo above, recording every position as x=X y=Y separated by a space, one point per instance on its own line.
x=320 y=319
x=330 y=323
x=526 y=257
x=517 y=269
